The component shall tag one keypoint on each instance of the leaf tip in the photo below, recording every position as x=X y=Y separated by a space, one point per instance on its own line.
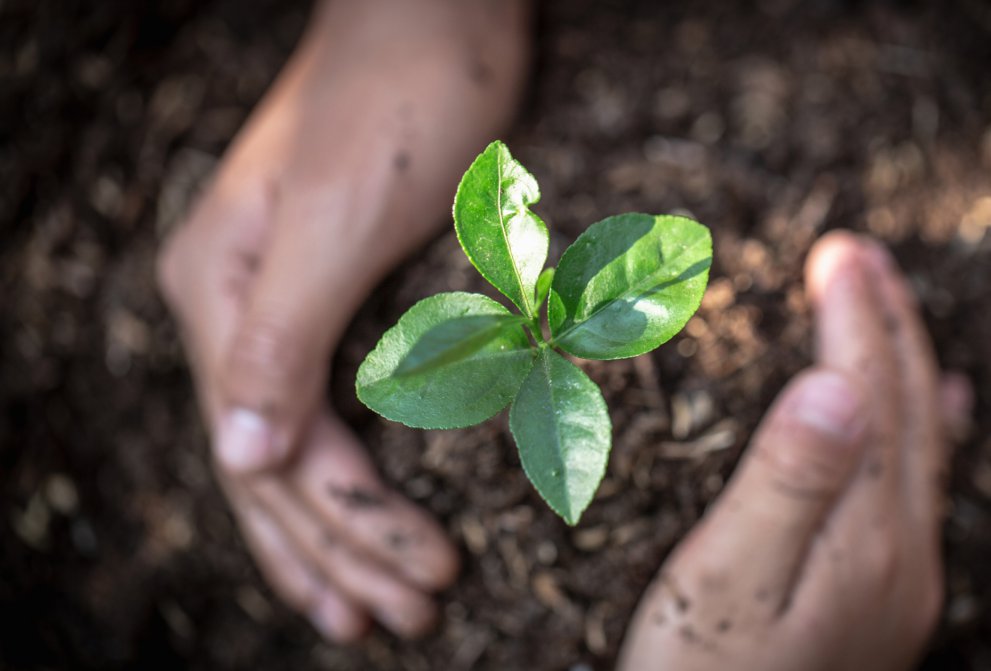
x=572 y=520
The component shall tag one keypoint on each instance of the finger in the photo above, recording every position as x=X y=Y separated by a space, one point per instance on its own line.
x=924 y=453
x=799 y=462
x=275 y=370
x=338 y=481
x=300 y=586
x=852 y=337
x=397 y=605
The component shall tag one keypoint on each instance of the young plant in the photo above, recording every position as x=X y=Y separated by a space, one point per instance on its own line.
x=628 y=284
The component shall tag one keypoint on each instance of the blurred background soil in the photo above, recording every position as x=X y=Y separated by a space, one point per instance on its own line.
x=770 y=121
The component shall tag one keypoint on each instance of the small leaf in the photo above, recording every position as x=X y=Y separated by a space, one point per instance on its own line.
x=502 y=238
x=454 y=393
x=543 y=286
x=454 y=340
x=628 y=284
x=563 y=433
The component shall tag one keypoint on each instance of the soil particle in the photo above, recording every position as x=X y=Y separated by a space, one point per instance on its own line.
x=681 y=602
x=356 y=497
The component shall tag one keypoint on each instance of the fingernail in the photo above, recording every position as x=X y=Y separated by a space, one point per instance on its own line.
x=829 y=403
x=245 y=441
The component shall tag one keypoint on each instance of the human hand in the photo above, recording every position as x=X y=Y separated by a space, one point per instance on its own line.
x=824 y=550
x=331 y=540
x=318 y=197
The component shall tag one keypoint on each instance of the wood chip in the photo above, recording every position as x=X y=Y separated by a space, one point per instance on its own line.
x=546 y=553
x=472 y=645
x=591 y=539
x=690 y=411
x=595 y=629
x=515 y=561
x=976 y=221
x=61 y=494
x=550 y=594
x=720 y=437
x=631 y=531
x=31 y=524
x=474 y=535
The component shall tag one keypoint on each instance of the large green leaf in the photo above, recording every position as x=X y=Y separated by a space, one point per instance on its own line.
x=628 y=284
x=563 y=432
x=452 y=389
x=454 y=340
x=504 y=240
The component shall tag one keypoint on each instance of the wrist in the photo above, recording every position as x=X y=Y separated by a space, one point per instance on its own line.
x=391 y=102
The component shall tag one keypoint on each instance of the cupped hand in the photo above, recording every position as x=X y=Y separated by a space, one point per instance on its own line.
x=824 y=551
x=345 y=167
x=330 y=538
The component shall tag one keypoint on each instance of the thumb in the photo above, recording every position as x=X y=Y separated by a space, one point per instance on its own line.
x=800 y=461
x=323 y=254
x=271 y=383
x=274 y=371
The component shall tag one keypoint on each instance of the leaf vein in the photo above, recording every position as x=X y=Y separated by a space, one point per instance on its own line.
x=505 y=238
x=636 y=289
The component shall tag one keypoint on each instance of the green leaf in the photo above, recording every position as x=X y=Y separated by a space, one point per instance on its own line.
x=543 y=286
x=454 y=340
x=563 y=432
x=502 y=238
x=456 y=391
x=628 y=284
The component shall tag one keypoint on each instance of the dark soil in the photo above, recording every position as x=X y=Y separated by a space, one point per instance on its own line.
x=770 y=121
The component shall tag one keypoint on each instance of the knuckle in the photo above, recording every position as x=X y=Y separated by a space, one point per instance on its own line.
x=269 y=347
x=804 y=463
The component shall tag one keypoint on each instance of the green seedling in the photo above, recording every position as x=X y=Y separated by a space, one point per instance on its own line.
x=628 y=284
